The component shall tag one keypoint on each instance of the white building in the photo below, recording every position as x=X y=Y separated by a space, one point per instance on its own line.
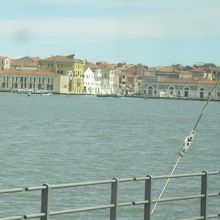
x=98 y=79
x=90 y=85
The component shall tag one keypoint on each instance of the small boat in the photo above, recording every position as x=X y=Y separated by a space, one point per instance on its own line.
x=47 y=94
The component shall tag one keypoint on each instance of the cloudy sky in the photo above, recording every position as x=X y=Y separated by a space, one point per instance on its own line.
x=152 y=32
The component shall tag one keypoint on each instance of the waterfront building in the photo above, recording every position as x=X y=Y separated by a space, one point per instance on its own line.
x=107 y=83
x=97 y=79
x=4 y=63
x=32 y=81
x=137 y=85
x=90 y=85
x=25 y=63
x=158 y=86
x=67 y=66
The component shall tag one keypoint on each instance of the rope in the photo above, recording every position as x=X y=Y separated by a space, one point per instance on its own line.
x=187 y=143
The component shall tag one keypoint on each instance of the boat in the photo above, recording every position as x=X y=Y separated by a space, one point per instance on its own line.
x=47 y=94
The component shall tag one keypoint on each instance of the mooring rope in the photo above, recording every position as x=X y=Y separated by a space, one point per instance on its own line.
x=186 y=144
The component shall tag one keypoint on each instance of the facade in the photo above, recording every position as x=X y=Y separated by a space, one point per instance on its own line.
x=4 y=63
x=137 y=86
x=32 y=81
x=63 y=65
x=90 y=85
x=155 y=86
x=107 y=83
x=98 y=79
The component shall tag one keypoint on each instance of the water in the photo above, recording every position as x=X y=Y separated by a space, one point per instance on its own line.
x=57 y=139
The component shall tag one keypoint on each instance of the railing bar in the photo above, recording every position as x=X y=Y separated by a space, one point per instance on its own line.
x=213 y=194
x=141 y=178
x=34 y=215
x=125 y=204
x=178 y=198
x=213 y=216
x=35 y=188
x=66 y=185
x=81 y=209
x=183 y=175
x=140 y=202
x=12 y=190
x=213 y=173
x=129 y=179
x=195 y=218
x=12 y=218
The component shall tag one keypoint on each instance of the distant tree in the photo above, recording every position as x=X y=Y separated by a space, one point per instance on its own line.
x=209 y=65
x=187 y=68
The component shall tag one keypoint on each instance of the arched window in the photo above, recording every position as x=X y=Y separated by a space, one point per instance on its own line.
x=186 y=92
x=171 y=89
x=201 y=93
x=150 y=91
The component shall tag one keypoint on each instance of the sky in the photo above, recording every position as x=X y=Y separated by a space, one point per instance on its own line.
x=151 y=32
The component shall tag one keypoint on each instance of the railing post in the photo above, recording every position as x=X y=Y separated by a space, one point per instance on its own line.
x=204 y=191
x=45 y=202
x=114 y=199
x=147 y=206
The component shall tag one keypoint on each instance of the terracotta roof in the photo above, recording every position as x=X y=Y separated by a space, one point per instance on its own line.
x=26 y=72
x=59 y=58
x=194 y=81
x=166 y=69
x=2 y=57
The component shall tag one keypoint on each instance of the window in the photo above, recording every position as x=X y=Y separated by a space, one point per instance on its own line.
x=201 y=93
x=150 y=91
x=21 y=79
x=171 y=90
x=186 y=92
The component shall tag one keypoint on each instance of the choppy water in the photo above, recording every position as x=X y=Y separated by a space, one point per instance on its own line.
x=57 y=139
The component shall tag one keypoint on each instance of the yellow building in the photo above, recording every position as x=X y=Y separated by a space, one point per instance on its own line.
x=67 y=66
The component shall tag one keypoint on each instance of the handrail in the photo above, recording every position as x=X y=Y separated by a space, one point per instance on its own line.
x=115 y=204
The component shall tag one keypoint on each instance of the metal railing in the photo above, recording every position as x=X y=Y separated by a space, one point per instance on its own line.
x=114 y=204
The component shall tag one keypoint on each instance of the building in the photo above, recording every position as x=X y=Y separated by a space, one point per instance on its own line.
x=98 y=79
x=35 y=81
x=4 y=63
x=107 y=81
x=157 y=86
x=90 y=85
x=67 y=66
x=25 y=63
